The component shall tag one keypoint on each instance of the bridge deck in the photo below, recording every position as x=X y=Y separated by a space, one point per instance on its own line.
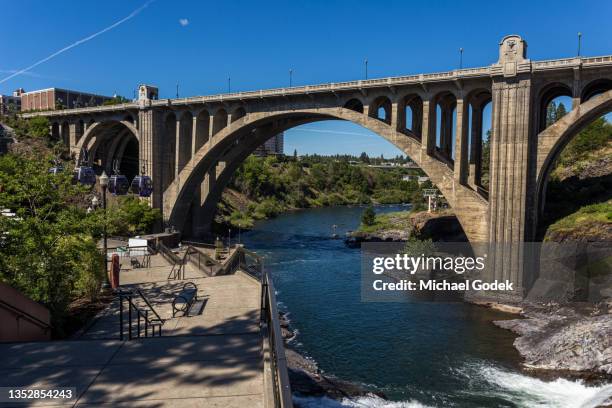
x=213 y=359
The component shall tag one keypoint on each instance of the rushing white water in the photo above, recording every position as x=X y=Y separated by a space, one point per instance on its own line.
x=361 y=402
x=527 y=391
x=490 y=381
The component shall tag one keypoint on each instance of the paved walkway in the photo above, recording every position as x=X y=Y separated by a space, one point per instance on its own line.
x=212 y=359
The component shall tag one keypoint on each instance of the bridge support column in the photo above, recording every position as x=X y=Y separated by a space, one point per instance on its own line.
x=75 y=133
x=461 y=143
x=476 y=147
x=398 y=117
x=428 y=141
x=177 y=150
x=446 y=131
x=201 y=219
x=511 y=193
x=194 y=136
x=151 y=154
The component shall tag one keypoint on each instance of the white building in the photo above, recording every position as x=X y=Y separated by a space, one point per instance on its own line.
x=274 y=145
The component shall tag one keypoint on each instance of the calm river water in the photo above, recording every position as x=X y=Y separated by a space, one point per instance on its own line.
x=417 y=354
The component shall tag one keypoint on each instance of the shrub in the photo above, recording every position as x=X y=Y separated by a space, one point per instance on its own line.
x=368 y=217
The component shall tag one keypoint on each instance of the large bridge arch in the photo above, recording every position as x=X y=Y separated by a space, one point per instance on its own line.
x=553 y=139
x=108 y=140
x=471 y=209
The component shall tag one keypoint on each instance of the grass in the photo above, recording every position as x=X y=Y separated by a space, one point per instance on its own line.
x=586 y=221
x=388 y=221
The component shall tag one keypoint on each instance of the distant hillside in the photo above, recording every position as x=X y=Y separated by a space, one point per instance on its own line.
x=265 y=187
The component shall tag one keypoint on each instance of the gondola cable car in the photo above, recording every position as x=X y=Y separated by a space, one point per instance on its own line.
x=83 y=173
x=118 y=183
x=142 y=185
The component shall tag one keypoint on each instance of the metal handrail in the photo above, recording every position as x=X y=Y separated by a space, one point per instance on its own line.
x=142 y=296
x=23 y=313
x=127 y=295
x=191 y=250
x=269 y=315
x=177 y=263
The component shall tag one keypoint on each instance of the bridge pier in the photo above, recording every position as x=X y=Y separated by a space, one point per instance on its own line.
x=511 y=187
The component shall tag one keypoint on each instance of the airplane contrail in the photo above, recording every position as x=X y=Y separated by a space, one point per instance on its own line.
x=79 y=42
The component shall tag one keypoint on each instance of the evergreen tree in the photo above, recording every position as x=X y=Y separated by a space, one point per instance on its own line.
x=560 y=111
x=369 y=216
x=551 y=113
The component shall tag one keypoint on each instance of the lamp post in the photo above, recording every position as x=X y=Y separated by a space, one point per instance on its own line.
x=460 y=58
x=104 y=185
x=366 y=68
x=290 y=78
x=579 y=40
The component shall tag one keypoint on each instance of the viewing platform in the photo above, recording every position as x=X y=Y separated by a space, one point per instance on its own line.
x=222 y=353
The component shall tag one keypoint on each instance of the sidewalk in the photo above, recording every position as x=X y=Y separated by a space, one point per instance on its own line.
x=209 y=360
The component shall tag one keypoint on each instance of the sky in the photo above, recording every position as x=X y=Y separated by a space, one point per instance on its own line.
x=200 y=44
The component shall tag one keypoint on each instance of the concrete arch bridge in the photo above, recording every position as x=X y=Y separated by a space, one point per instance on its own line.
x=191 y=146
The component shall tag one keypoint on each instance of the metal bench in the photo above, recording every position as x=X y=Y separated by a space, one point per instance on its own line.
x=135 y=263
x=185 y=299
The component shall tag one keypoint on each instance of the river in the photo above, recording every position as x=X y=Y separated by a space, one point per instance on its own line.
x=417 y=354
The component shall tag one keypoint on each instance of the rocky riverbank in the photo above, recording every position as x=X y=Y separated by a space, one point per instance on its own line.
x=440 y=226
x=305 y=376
x=574 y=338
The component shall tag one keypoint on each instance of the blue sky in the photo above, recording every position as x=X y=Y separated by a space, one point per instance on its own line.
x=199 y=44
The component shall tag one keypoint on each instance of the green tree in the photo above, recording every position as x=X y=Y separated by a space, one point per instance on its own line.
x=364 y=158
x=551 y=113
x=48 y=249
x=131 y=216
x=38 y=127
x=561 y=111
x=115 y=100
x=368 y=217
x=593 y=137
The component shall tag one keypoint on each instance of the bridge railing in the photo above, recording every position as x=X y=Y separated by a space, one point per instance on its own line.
x=485 y=71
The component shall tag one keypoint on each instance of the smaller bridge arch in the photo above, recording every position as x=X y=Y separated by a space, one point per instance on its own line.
x=354 y=104
x=380 y=108
x=594 y=88
x=547 y=94
x=220 y=120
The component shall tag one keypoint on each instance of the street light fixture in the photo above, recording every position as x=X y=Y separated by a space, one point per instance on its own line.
x=290 y=78
x=579 y=41
x=366 y=68
x=104 y=184
x=460 y=58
